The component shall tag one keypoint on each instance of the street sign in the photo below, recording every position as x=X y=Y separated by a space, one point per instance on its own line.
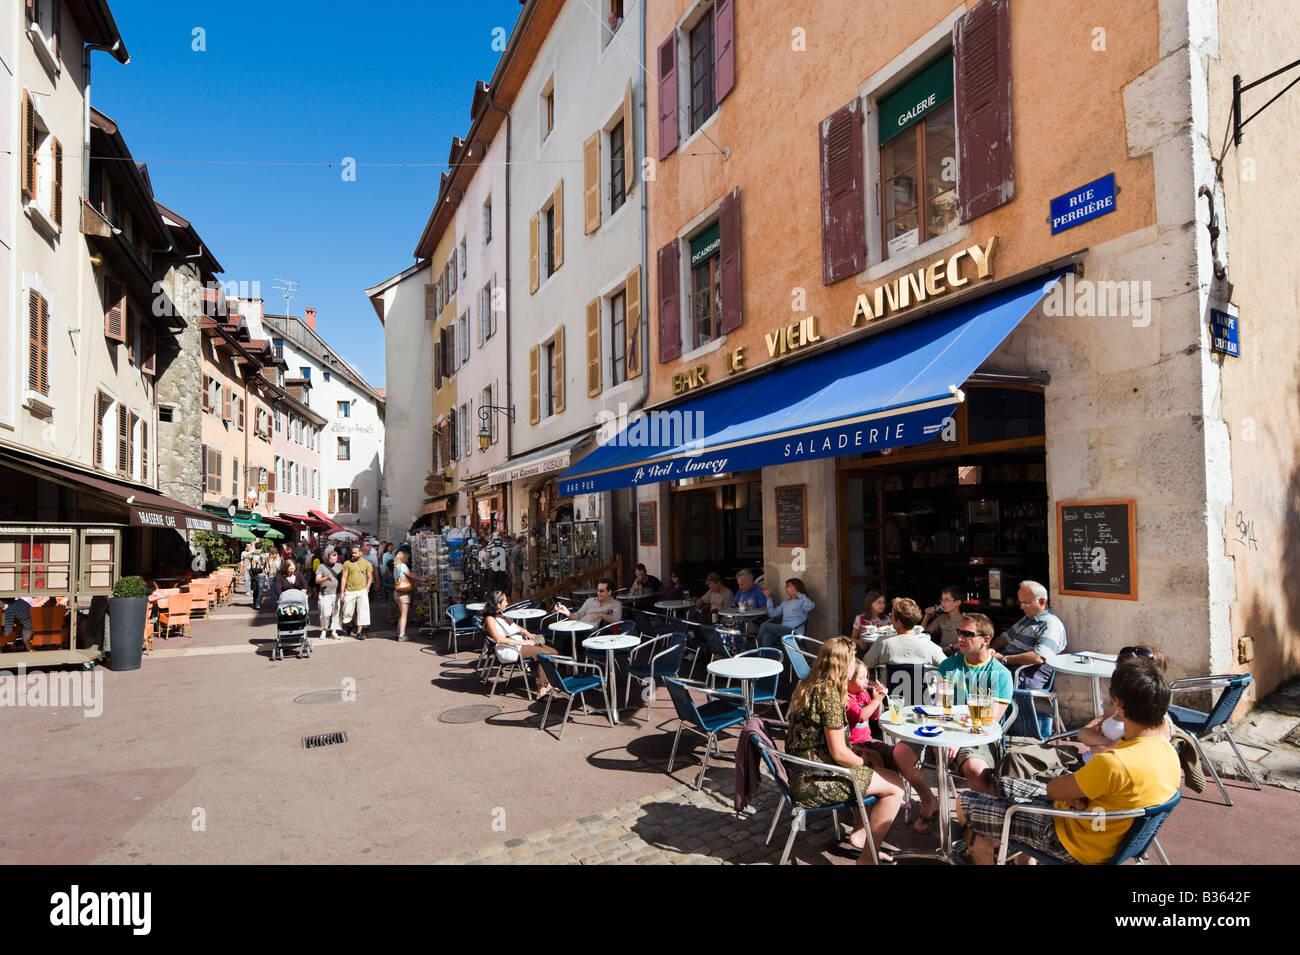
x=1224 y=330
x=1080 y=205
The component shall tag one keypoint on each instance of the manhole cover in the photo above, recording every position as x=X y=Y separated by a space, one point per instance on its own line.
x=469 y=714
x=320 y=696
x=324 y=739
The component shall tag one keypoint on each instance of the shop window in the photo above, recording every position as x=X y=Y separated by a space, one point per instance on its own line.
x=35 y=564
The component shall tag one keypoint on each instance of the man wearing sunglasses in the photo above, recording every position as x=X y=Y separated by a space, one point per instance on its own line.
x=1035 y=636
x=974 y=665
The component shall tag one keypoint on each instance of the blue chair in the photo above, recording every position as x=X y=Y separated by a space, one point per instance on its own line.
x=800 y=660
x=1141 y=835
x=572 y=687
x=707 y=720
x=461 y=622
x=764 y=689
x=1214 y=724
x=665 y=656
x=798 y=814
x=1032 y=722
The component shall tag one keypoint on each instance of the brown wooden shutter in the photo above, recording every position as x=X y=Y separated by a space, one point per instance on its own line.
x=130 y=446
x=534 y=395
x=629 y=137
x=729 y=261
x=668 y=125
x=114 y=310
x=632 y=324
x=593 y=348
x=532 y=253
x=37 y=341
x=205 y=469
x=559 y=371
x=333 y=509
x=437 y=365
x=123 y=440
x=56 y=199
x=144 y=453
x=724 y=48
x=670 y=319
x=982 y=54
x=451 y=351
x=227 y=403
x=99 y=429
x=44 y=380
x=430 y=303
x=149 y=345
x=29 y=147
x=844 y=228
x=557 y=198
x=591 y=183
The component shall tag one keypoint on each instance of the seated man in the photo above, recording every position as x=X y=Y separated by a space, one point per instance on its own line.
x=644 y=584
x=974 y=661
x=601 y=609
x=717 y=597
x=19 y=614
x=1032 y=638
x=910 y=645
x=1140 y=772
x=749 y=593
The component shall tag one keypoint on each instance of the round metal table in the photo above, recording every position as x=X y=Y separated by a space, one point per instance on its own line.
x=475 y=607
x=1089 y=666
x=741 y=617
x=571 y=627
x=674 y=607
x=612 y=643
x=526 y=613
x=746 y=670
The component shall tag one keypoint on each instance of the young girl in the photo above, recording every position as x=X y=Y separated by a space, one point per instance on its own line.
x=875 y=613
x=863 y=701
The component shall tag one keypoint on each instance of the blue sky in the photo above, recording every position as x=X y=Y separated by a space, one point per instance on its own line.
x=302 y=82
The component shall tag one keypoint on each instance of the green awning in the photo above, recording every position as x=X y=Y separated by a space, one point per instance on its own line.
x=273 y=534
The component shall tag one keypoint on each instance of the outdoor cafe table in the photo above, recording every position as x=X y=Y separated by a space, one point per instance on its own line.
x=674 y=607
x=739 y=618
x=746 y=670
x=1085 y=663
x=611 y=643
x=953 y=736
x=476 y=607
x=572 y=627
x=526 y=613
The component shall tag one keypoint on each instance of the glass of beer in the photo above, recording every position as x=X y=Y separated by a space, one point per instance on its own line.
x=946 y=691
x=981 y=710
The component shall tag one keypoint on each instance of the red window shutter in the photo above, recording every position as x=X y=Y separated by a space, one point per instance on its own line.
x=149 y=345
x=724 y=49
x=333 y=509
x=844 y=229
x=44 y=380
x=123 y=440
x=982 y=54
x=114 y=310
x=670 y=318
x=207 y=387
x=729 y=261
x=668 y=125
x=56 y=193
x=144 y=451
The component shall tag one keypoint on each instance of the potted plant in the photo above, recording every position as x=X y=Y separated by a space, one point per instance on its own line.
x=127 y=611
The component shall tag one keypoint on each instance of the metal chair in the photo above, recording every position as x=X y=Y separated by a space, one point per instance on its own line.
x=1139 y=837
x=1210 y=726
x=800 y=660
x=572 y=687
x=764 y=689
x=505 y=669
x=457 y=614
x=666 y=655
x=707 y=720
x=1031 y=721
x=799 y=814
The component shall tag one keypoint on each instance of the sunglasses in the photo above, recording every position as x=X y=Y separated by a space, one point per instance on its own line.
x=1142 y=652
x=969 y=634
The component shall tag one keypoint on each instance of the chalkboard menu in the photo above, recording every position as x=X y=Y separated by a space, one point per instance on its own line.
x=646 y=521
x=791 y=517
x=1097 y=541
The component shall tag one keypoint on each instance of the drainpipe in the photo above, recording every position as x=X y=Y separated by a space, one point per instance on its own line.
x=510 y=437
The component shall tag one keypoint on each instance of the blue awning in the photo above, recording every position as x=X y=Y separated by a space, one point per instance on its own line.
x=888 y=390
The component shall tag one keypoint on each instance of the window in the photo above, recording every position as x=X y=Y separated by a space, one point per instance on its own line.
x=701 y=53
x=36 y=564
x=277 y=420
x=42 y=170
x=345 y=409
x=165 y=413
x=918 y=159
x=487 y=324
x=463 y=256
x=706 y=287
x=304 y=372
x=550 y=241
x=234 y=479
x=315 y=484
x=325 y=375
x=613 y=18
x=347 y=500
x=463 y=427
x=462 y=333
x=485 y=398
x=345 y=449
x=38 y=343
x=548 y=108
x=212 y=468
x=617 y=183
x=278 y=343
x=548 y=379
x=45 y=20
x=487 y=221
x=618 y=338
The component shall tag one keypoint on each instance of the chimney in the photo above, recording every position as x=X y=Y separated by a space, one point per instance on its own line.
x=309 y=316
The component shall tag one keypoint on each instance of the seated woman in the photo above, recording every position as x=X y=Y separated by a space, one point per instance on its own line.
x=1105 y=732
x=675 y=589
x=513 y=641
x=786 y=616
x=875 y=613
x=819 y=731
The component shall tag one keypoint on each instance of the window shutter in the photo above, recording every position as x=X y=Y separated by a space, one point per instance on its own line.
x=632 y=324
x=724 y=48
x=56 y=22
x=668 y=126
x=670 y=319
x=437 y=365
x=557 y=197
x=205 y=468
x=532 y=253
x=559 y=371
x=130 y=451
x=982 y=53
x=591 y=183
x=149 y=345
x=207 y=406
x=593 y=348
x=226 y=411
x=333 y=509
x=29 y=147
x=34 y=338
x=430 y=303
x=114 y=310
x=123 y=440
x=450 y=353
x=56 y=198
x=729 y=261
x=534 y=396
x=844 y=230
x=629 y=137
x=144 y=454
x=31 y=10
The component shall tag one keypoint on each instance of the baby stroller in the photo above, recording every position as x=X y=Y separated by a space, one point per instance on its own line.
x=291 y=625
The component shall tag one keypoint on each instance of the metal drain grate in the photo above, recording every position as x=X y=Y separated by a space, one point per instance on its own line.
x=469 y=714
x=320 y=696
x=324 y=739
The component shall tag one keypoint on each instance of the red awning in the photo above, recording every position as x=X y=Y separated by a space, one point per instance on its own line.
x=315 y=523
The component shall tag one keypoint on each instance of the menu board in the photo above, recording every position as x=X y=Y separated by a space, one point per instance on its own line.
x=647 y=523
x=1097 y=541
x=791 y=517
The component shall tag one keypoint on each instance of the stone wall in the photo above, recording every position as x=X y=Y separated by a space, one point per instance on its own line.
x=180 y=453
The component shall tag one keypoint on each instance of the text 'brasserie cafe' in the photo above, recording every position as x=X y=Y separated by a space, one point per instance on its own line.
x=901 y=449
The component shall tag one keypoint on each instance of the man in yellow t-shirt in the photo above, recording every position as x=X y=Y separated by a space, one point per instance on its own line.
x=358 y=574
x=1140 y=772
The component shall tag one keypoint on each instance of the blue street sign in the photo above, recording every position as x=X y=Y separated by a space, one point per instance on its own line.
x=1087 y=202
x=1224 y=331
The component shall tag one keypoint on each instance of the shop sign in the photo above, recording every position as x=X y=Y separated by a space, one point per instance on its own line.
x=556 y=462
x=792 y=337
x=928 y=282
x=347 y=427
x=917 y=98
x=696 y=377
x=1224 y=330
x=705 y=244
x=1080 y=205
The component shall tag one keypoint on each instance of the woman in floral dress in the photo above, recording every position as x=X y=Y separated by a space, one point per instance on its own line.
x=819 y=731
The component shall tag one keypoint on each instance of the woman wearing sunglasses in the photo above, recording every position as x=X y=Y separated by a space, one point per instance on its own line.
x=1105 y=732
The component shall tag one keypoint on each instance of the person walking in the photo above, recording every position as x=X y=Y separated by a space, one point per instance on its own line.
x=328 y=576
x=257 y=571
x=402 y=577
x=358 y=577
x=518 y=568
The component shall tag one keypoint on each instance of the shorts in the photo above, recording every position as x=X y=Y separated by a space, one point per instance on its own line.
x=404 y=597
x=356 y=604
x=986 y=813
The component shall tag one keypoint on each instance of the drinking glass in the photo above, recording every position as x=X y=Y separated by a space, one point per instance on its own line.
x=980 y=706
x=946 y=691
